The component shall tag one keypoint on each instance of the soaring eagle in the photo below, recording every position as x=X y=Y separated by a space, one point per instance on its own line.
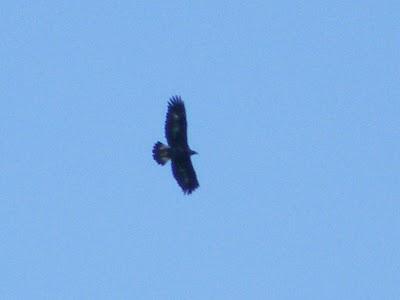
x=178 y=150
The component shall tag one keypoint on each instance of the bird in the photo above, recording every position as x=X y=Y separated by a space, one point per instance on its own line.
x=177 y=150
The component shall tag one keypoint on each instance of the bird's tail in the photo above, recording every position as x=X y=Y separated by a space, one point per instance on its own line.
x=161 y=153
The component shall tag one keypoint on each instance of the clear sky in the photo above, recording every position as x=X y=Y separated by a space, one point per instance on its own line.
x=293 y=107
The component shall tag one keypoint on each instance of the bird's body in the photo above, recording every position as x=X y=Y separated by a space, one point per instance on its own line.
x=178 y=150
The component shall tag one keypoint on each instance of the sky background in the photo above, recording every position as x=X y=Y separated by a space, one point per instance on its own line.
x=293 y=107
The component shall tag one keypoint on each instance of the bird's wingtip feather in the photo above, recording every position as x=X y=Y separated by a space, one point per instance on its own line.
x=175 y=100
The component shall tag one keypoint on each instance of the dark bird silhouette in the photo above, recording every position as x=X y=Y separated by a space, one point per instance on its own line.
x=178 y=150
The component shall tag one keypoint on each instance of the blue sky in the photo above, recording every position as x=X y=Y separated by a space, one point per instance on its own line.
x=294 y=109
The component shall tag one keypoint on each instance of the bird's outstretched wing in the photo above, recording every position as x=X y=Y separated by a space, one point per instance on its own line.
x=184 y=174
x=175 y=124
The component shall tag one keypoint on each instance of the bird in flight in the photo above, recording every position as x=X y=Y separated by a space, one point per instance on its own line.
x=177 y=150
